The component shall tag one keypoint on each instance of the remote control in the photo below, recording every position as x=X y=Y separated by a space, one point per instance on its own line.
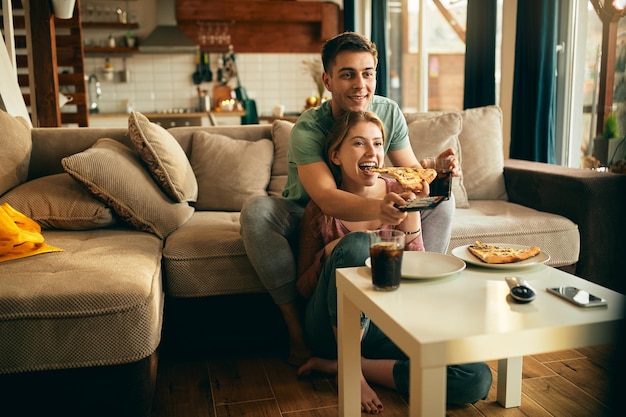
x=520 y=291
x=419 y=204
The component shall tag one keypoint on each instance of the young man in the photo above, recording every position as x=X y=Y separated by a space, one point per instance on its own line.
x=269 y=226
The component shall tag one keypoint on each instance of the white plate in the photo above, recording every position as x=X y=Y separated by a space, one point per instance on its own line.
x=462 y=252
x=425 y=265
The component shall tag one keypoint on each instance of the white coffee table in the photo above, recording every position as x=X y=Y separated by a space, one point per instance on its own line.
x=462 y=318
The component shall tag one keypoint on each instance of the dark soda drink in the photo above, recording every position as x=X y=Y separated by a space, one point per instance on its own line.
x=386 y=259
x=442 y=185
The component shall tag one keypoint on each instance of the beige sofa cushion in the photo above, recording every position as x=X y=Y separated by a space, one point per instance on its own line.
x=497 y=221
x=483 y=159
x=165 y=158
x=115 y=174
x=58 y=202
x=432 y=134
x=281 y=131
x=15 y=149
x=100 y=302
x=206 y=257
x=229 y=171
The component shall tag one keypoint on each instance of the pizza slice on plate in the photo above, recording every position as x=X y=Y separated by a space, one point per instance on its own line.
x=493 y=254
x=409 y=178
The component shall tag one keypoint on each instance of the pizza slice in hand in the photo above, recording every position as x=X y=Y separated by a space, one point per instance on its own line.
x=409 y=178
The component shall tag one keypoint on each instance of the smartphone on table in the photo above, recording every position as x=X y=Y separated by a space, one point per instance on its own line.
x=578 y=297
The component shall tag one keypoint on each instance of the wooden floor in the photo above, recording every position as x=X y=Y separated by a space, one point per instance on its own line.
x=572 y=383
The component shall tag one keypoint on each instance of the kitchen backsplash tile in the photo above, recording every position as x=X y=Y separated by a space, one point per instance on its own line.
x=160 y=82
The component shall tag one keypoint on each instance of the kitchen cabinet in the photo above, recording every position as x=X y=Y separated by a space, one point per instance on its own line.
x=259 y=26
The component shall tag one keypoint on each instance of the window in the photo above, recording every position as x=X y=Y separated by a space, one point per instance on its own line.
x=443 y=39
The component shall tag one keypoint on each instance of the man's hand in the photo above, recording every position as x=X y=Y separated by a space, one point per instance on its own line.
x=449 y=153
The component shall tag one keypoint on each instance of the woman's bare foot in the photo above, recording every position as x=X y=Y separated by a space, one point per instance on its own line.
x=370 y=403
x=326 y=366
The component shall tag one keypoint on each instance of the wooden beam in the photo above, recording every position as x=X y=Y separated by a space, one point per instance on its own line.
x=454 y=24
x=45 y=65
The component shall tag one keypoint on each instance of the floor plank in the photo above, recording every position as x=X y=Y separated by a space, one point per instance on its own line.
x=572 y=383
x=293 y=393
x=562 y=398
x=239 y=380
x=264 y=408
x=183 y=389
x=586 y=375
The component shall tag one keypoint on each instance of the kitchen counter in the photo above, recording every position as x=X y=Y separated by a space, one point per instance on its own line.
x=148 y=115
x=270 y=119
x=107 y=120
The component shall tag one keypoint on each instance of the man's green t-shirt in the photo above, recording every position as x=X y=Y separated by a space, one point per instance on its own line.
x=309 y=136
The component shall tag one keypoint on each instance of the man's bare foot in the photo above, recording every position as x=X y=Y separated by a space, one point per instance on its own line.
x=370 y=403
x=298 y=351
x=326 y=366
x=299 y=354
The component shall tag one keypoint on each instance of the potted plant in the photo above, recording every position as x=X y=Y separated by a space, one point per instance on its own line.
x=129 y=40
x=606 y=148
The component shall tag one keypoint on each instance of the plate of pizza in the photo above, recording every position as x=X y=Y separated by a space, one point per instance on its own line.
x=501 y=255
x=427 y=265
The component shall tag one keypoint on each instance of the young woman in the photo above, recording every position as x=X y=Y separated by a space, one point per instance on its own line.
x=326 y=243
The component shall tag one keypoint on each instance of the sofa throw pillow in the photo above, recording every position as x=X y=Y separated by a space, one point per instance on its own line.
x=483 y=156
x=115 y=174
x=165 y=158
x=432 y=134
x=281 y=131
x=229 y=171
x=58 y=202
x=15 y=148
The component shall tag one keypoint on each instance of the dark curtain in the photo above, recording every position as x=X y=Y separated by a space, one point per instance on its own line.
x=379 y=37
x=349 y=18
x=534 y=82
x=480 y=53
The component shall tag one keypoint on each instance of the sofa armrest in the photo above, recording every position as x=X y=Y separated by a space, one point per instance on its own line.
x=595 y=201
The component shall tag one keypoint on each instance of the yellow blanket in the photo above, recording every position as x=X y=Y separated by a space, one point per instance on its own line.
x=20 y=236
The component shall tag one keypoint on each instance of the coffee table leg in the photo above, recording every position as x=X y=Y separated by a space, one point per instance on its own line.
x=427 y=396
x=510 y=382
x=349 y=356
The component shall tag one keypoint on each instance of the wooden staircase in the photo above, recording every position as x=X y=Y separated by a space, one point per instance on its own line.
x=50 y=60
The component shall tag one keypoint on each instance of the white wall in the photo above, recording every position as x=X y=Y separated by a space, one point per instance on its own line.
x=164 y=81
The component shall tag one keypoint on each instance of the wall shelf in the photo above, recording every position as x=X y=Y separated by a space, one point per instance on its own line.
x=105 y=50
x=109 y=25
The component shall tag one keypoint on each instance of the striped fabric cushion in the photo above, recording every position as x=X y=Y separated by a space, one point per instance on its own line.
x=115 y=174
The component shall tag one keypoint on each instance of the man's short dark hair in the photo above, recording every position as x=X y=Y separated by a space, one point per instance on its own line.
x=346 y=41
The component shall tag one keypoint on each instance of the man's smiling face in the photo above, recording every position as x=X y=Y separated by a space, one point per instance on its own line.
x=352 y=81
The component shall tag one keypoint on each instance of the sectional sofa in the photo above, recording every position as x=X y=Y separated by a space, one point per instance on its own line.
x=148 y=220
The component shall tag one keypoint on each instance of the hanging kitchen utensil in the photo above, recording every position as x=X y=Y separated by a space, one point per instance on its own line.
x=220 y=70
x=249 y=105
x=208 y=75
x=197 y=76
